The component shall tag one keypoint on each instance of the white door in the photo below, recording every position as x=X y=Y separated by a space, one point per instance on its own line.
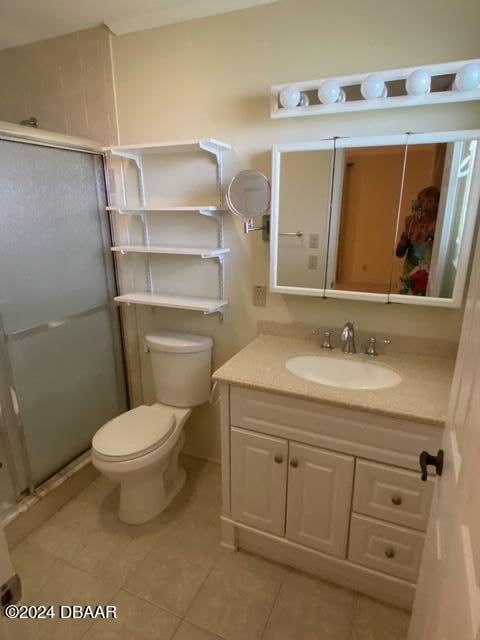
x=259 y=480
x=319 y=498
x=447 y=606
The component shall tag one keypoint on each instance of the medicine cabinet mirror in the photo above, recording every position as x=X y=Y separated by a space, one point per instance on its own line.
x=380 y=218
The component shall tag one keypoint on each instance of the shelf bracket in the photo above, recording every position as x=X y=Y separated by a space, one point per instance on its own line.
x=220 y=310
x=216 y=215
x=129 y=156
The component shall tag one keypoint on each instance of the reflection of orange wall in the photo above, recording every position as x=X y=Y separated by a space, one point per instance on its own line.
x=424 y=168
x=369 y=209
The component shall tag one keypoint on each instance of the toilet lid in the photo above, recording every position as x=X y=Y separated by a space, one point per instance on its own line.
x=135 y=432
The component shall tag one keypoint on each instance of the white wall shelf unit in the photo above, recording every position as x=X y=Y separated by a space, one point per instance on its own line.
x=202 y=252
x=137 y=153
x=205 y=305
x=209 y=145
x=208 y=210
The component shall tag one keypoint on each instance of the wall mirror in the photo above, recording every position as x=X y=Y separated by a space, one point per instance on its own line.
x=437 y=218
x=380 y=218
x=302 y=235
x=301 y=194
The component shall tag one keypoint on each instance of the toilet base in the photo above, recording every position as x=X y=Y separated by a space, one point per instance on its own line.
x=145 y=497
x=144 y=501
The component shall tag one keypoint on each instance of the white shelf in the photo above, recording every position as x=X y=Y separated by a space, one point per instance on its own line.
x=210 y=145
x=205 y=305
x=199 y=209
x=203 y=252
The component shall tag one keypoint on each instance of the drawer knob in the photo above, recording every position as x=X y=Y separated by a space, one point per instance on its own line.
x=390 y=553
x=397 y=500
x=294 y=463
x=278 y=458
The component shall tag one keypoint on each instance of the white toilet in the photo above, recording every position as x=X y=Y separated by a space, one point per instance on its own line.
x=140 y=448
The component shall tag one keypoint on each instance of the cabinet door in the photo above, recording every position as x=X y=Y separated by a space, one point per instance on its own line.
x=319 y=498
x=259 y=480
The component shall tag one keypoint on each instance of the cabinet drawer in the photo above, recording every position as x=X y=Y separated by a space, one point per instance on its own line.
x=385 y=547
x=357 y=433
x=392 y=494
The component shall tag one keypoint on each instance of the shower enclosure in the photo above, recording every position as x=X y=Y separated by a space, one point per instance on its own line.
x=61 y=360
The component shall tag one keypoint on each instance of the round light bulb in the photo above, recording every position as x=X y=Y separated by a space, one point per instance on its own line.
x=329 y=92
x=373 y=87
x=289 y=97
x=468 y=77
x=304 y=101
x=418 y=83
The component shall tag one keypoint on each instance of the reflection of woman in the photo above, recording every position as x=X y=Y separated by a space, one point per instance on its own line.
x=416 y=243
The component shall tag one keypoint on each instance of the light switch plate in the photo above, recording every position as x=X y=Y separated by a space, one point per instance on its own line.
x=314 y=239
x=313 y=262
x=259 y=295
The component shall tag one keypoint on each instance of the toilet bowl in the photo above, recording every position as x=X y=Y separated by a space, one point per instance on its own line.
x=140 y=448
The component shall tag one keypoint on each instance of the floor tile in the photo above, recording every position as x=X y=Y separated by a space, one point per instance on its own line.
x=114 y=551
x=188 y=631
x=311 y=609
x=135 y=619
x=378 y=621
x=102 y=492
x=71 y=586
x=197 y=508
x=237 y=597
x=172 y=573
x=36 y=567
x=69 y=530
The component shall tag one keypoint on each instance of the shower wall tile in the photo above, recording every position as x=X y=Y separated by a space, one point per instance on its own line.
x=65 y=82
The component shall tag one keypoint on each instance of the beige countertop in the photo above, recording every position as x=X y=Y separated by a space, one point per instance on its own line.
x=421 y=396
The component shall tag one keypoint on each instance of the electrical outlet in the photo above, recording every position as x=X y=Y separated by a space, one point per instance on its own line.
x=313 y=262
x=259 y=295
x=314 y=239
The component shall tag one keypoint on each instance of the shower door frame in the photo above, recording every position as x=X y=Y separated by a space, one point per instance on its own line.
x=11 y=426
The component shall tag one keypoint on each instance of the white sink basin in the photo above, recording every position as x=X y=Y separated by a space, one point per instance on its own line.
x=343 y=372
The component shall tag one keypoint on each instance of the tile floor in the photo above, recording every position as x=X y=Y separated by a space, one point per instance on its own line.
x=170 y=579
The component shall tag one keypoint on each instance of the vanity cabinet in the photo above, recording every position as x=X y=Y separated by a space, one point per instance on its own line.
x=312 y=511
x=330 y=490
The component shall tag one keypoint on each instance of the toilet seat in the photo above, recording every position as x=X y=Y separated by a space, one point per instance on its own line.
x=135 y=433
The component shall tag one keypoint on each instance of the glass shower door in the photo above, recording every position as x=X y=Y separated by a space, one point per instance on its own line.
x=64 y=371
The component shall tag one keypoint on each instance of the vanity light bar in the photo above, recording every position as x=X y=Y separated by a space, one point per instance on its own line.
x=334 y=95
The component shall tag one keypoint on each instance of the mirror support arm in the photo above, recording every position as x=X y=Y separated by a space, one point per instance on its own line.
x=248 y=227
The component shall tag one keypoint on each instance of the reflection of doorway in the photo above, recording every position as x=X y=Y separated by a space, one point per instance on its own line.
x=460 y=158
x=369 y=206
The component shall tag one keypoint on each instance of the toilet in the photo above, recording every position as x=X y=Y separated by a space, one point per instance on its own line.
x=140 y=448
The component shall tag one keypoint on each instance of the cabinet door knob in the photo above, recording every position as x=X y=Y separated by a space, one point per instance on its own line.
x=397 y=500
x=390 y=553
x=278 y=458
x=294 y=463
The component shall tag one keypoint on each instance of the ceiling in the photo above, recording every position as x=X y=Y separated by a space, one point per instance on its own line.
x=25 y=21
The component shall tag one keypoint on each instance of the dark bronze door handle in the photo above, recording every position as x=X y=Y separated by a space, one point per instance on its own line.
x=427 y=460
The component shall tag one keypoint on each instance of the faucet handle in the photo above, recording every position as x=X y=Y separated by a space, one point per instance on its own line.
x=327 y=342
x=327 y=338
x=371 y=347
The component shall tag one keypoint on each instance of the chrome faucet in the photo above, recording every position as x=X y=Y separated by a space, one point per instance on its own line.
x=348 y=339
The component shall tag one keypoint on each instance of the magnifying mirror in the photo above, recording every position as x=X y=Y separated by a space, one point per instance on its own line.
x=248 y=196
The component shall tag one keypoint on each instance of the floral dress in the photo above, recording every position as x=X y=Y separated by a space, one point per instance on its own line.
x=416 y=244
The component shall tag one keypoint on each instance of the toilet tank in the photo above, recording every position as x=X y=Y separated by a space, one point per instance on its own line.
x=181 y=366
